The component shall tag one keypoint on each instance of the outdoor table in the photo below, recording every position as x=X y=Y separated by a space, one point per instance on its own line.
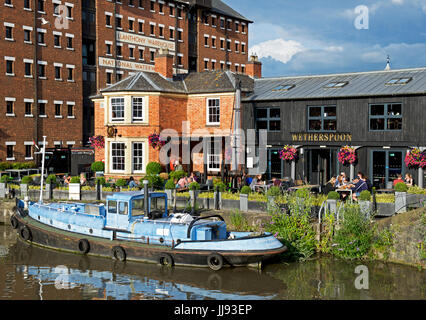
x=263 y=187
x=346 y=190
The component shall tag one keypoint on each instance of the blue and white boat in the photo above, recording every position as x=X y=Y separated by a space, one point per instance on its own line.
x=126 y=228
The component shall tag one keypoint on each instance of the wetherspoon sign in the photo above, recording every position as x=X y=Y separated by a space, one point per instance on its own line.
x=321 y=137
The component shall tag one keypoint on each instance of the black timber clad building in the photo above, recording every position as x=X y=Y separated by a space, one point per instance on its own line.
x=382 y=114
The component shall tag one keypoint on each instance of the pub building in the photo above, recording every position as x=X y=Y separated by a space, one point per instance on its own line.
x=381 y=114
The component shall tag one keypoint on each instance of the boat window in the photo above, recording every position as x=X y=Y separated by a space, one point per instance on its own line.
x=122 y=208
x=138 y=207
x=112 y=206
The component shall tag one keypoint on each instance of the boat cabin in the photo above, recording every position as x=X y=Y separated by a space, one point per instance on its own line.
x=126 y=207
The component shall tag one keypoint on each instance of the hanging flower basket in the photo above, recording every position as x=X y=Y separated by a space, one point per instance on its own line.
x=415 y=158
x=97 y=142
x=155 y=142
x=347 y=155
x=288 y=153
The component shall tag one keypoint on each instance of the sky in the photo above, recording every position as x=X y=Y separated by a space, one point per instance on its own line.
x=307 y=37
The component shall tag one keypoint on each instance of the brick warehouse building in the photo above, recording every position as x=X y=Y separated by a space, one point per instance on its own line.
x=129 y=111
x=56 y=54
x=41 y=77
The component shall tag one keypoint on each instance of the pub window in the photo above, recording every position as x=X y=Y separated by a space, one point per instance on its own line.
x=213 y=111
x=386 y=117
x=214 y=155
x=138 y=109
x=118 y=158
x=268 y=119
x=138 y=148
x=322 y=118
x=117 y=109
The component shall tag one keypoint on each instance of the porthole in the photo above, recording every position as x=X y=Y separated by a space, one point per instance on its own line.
x=161 y=240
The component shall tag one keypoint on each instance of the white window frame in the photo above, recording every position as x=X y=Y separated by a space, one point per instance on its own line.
x=118 y=119
x=134 y=157
x=142 y=118
x=120 y=156
x=208 y=122
x=213 y=159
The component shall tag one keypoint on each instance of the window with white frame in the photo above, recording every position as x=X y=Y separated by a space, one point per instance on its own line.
x=213 y=111
x=137 y=109
x=214 y=154
x=117 y=109
x=138 y=148
x=118 y=156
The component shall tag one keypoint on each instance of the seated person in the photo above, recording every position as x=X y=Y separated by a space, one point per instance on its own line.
x=182 y=183
x=409 y=180
x=67 y=179
x=276 y=182
x=330 y=186
x=398 y=180
x=360 y=185
x=132 y=183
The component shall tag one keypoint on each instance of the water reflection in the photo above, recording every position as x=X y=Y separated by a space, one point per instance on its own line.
x=30 y=272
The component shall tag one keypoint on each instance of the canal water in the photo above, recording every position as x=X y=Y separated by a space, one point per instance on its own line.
x=30 y=272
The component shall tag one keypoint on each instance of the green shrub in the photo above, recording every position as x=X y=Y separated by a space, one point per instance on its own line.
x=245 y=190
x=416 y=190
x=274 y=192
x=365 y=196
x=121 y=182
x=23 y=165
x=101 y=180
x=303 y=193
x=153 y=168
x=5 y=166
x=194 y=186
x=355 y=237
x=26 y=180
x=401 y=187
x=154 y=181
x=170 y=185
x=333 y=195
x=5 y=179
x=220 y=186
x=75 y=180
x=97 y=166
x=239 y=222
x=51 y=179
x=177 y=175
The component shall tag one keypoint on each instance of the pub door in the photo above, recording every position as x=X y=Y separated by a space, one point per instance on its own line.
x=275 y=165
x=322 y=165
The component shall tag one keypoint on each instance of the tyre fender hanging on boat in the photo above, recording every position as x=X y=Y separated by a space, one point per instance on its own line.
x=166 y=260
x=215 y=261
x=83 y=246
x=25 y=233
x=14 y=222
x=119 y=253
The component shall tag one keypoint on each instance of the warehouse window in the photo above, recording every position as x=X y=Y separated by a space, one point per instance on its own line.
x=322 y=118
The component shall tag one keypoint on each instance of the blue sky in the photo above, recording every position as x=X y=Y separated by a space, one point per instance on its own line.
x=320 y=37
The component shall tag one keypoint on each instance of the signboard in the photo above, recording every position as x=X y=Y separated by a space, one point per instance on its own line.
x=321 y=137
x=145 y=41
x=107 y=62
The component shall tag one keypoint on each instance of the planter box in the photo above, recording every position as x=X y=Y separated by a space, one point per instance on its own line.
x=385 y=209
x=230 y=204
x=257 y=206
x=2 y=190
x=74 y=191
x=400 y=202
x=331 y=206
x=244 y=202
x=217 y=200
x=366 y=208
x=60 y=194
x=24 y=190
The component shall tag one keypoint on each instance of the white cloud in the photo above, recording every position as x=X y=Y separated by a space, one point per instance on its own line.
x=334 y=49
x=278 y=49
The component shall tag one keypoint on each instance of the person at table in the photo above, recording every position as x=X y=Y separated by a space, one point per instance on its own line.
x=330 y=186
x=409 y=180
x=276 y=182
x=359 y=186
x=398 y=179
x=132 y=183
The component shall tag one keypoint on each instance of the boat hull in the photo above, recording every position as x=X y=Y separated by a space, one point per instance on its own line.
x=43 y=235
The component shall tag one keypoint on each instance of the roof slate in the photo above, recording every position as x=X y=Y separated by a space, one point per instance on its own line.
x=360 y=84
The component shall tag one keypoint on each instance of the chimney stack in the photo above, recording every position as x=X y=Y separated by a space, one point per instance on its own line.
x=164 y=63
x=254 y=67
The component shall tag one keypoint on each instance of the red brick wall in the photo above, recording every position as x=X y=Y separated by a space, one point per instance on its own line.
x=20 y=128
